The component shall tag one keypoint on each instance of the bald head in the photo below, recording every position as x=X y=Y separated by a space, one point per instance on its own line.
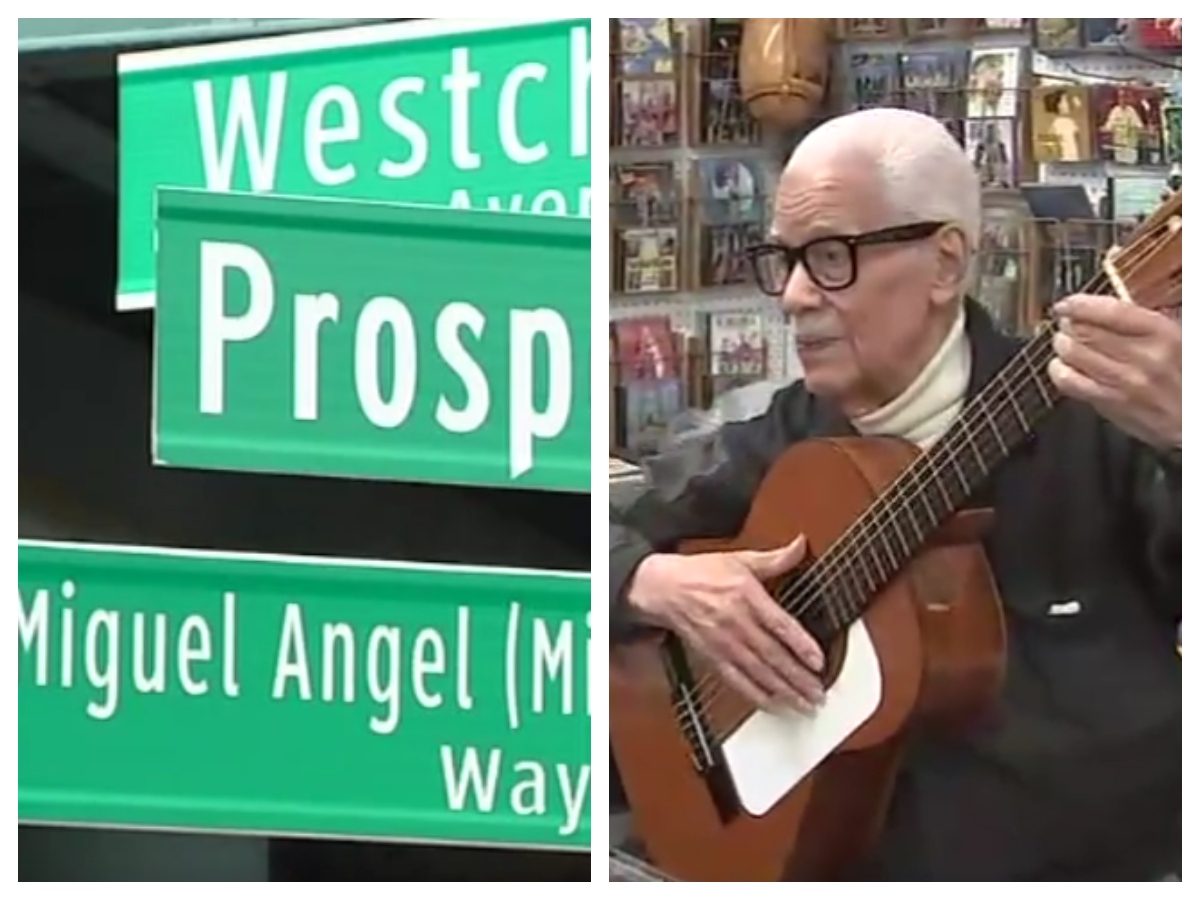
x=919 y=171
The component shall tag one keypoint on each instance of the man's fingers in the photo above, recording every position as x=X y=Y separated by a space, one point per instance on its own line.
x=1108 y=313
x=1093 y=364
x=782 y=627
x=769 y=563
x=771 y=687
x=1074 y=383
x=743 y=685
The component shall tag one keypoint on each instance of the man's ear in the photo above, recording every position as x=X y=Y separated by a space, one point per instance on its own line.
x=951 y=265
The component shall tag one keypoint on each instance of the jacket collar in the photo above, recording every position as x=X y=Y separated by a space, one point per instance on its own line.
x=989 y=351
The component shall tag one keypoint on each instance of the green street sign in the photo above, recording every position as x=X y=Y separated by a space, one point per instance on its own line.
x=467 y=114
x=371 y=340
x=293 y=695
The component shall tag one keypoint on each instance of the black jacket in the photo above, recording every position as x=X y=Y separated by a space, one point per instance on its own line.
x=1079 y=770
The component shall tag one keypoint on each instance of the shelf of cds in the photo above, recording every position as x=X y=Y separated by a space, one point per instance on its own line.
x=1072 y=125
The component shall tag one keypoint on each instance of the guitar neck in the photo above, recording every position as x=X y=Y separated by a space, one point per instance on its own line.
x=935 y=486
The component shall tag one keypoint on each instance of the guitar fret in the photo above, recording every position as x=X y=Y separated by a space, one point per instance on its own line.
x=1037 y=380
x=975 y=448
x=961 y=477
x=991 y=420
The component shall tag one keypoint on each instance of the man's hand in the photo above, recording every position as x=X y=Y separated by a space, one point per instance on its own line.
x=716 y=603
x=1126 y=361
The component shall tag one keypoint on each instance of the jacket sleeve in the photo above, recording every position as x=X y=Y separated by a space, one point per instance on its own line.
x=703 y=488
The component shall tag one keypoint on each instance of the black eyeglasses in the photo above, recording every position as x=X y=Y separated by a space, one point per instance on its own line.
x=831 y=262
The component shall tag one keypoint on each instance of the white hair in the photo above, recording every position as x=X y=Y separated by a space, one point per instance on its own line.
x=924 y=173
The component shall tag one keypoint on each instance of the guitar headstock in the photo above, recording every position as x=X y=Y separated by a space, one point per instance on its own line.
x=1148 y=269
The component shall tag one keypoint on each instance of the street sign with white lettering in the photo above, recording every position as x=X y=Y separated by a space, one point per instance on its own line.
x=467 y=114
x=301 y=695
x=372 y=340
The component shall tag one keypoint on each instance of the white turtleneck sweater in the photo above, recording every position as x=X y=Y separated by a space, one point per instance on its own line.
x=925 y=409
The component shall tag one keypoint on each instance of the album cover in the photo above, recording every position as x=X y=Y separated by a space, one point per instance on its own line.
x=1160 y=34
x=1062 y=124
x=991 y=147
x=869 y=29
x=645 y=194
x=1000 y=244
x=649 y=113
x=994 y=81
x=1136 y=196
x=1128 y=124
x=723 y=248
x=724 y=117
x=927 y=27
x=650 y=405
x=737 y=345
x=1105 y=32
x=991 y=25
x=875 y=80
x=645 y=348
x=646 y=47
x=1173 y=126
x=649 y=260
x=935 y=83
x=1057 y=34
x=731 y=190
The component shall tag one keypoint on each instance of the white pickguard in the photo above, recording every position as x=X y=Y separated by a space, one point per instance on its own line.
x=771 y=752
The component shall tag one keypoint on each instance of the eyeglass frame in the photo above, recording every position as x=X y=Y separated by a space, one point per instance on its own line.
x=913 y=231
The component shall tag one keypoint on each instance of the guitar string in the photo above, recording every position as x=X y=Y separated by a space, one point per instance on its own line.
x=809 y=588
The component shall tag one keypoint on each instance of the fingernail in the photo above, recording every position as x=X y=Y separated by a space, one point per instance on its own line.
x=814 y=660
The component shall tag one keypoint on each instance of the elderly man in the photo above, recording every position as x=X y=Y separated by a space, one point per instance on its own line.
x=1077 y=776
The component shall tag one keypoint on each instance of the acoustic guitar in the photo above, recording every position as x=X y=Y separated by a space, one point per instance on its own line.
x=898 y=591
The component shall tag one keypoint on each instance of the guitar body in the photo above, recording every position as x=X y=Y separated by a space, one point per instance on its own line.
x=937 y=632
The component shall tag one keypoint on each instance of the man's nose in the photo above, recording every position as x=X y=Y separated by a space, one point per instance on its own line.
x=800 y=293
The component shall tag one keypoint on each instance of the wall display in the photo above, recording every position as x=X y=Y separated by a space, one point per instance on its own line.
x=1033 y=103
